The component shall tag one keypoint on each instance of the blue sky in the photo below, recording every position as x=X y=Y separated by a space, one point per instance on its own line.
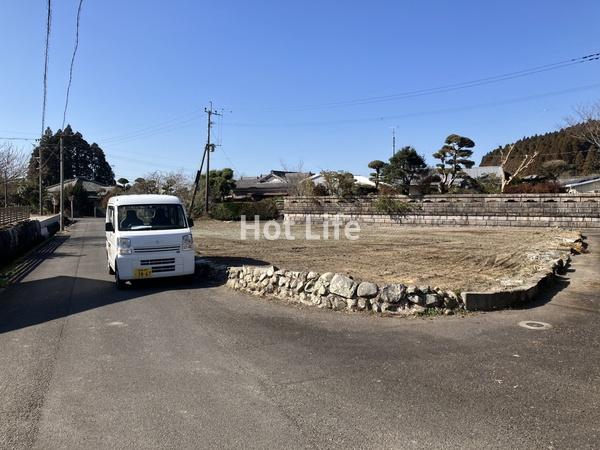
x=145 y=70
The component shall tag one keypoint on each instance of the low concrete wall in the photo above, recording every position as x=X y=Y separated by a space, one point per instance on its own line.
x=522 y=210
x=17 y=239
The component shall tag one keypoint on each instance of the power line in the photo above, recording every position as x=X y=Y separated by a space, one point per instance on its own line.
x=422 y=113
x=72 y=64
x=165 y=125
x=455 y=86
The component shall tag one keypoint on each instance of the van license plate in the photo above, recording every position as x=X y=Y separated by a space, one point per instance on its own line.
x=142 y=273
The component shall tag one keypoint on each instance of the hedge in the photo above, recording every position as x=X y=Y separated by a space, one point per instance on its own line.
x=266 y=209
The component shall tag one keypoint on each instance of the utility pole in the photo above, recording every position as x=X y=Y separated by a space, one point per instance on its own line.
x=40 y=176
x=62 y=185
x=393 y=141
x=209 y=148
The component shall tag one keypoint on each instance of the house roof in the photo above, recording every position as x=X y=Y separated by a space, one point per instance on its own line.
x=479 y=171
x=583 y=183
x=358 y=179
x=276 y=181
x=88 y=186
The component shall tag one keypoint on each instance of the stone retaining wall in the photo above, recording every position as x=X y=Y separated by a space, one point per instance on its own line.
x=341 y=292
x=523 y=210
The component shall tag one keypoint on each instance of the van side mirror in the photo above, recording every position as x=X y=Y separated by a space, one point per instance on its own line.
x=108 y=226
x=190 y=222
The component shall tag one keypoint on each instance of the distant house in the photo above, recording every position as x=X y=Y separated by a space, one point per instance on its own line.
x=277 y=183
x=95 y=191
x=585 y=185
x=481 y=171
x=359 y=180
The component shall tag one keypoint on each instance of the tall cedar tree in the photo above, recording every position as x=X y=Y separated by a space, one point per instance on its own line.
x=80 y=159
x=455 y=156
x=406 y=165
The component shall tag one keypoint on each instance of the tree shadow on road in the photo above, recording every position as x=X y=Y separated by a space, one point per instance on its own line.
x=35 y=302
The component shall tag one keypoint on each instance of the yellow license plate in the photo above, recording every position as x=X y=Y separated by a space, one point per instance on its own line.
x=142 y=273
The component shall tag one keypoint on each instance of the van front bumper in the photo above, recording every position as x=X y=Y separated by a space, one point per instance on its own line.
x=156 y=265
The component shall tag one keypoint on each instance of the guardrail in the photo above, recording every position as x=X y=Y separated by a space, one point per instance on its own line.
x=13 y=214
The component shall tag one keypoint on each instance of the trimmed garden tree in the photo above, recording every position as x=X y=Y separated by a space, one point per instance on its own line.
x=455 y=156
x=376 y=165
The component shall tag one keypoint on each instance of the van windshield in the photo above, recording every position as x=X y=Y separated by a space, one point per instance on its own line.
x=151 y=217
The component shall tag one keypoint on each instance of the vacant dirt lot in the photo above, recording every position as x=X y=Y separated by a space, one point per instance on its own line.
x=452 y=258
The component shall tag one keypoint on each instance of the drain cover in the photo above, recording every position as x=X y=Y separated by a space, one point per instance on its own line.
x=533 y=325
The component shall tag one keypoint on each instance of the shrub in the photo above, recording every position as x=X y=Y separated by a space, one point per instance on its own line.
x=386 y=204
x=549 y=187
x=266 y=209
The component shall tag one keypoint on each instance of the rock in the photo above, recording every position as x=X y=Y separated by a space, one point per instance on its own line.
x=342 y=285
x=351 y=303
x=450 y=302
x=282 y=281
x=299 y=286
x=448 y=312
x=338 y=303
x=309 y=287
x=393 y=293
x=385 y=306
x=312 y=276
x=362 y=304
x=424 y=289
x=327 y=277
x=367 y=290
x=325 y=303
x=262 y=276
x=376 y=307
x=322 y=290
x=412 y=290
x=431 y=300
x=416 y=309
x=416 y=299
x=270 y=271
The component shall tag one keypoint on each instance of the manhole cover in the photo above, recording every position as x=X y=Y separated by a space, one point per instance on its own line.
x=533 y=325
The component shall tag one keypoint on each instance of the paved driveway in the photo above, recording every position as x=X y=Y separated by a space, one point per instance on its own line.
x=169 y=365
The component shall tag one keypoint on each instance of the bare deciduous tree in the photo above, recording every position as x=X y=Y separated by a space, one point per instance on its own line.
x=13 y=166
x=525 y=163
x=586 y=123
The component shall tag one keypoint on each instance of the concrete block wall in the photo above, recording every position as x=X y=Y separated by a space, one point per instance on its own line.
x=520 y=210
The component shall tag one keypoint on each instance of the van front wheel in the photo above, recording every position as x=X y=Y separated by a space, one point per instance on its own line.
x=120 y=283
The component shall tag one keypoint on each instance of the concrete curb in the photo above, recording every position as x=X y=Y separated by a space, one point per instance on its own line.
x=504 y=298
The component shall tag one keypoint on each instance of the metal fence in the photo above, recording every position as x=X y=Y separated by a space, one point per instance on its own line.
x=13 y=214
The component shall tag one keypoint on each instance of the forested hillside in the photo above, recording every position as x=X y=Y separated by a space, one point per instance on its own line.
x=581 y=157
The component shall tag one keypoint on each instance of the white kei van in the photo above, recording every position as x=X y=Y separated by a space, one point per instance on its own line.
x=148 y=236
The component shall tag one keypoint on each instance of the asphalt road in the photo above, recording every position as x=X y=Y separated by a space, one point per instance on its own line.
x=170 y=365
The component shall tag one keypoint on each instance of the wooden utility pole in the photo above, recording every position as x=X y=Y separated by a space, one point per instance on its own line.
x=209 y=148
x=40 y=177
x=62 y=185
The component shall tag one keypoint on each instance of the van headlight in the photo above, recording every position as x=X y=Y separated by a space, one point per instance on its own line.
x=124 y=246
x=187 y=242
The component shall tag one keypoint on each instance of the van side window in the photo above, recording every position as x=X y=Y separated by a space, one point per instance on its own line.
x=111 y=215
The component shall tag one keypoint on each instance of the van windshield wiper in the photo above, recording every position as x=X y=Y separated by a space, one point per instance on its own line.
x=141 y=227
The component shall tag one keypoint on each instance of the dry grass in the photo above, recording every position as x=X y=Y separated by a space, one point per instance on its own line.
x=453 y=258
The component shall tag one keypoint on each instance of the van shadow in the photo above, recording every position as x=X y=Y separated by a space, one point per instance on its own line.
x=35 y=302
